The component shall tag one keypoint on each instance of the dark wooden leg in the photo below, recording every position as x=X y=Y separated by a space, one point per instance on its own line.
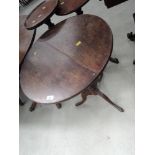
x=84 y=98
x=109 y=101
x=49 y=23
x=131 y=36
x=22 y=3
x=33 y=106
x=79 y=11
x=133 y=62
x=20 y=102
x=58 y=105
x=93 y=90
x=114 y=60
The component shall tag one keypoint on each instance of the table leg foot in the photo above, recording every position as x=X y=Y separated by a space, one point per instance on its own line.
x=33 y=106
x=114 y=60
x=49 y=23
x=58 y=105
x=95 y=91
x=79 y=11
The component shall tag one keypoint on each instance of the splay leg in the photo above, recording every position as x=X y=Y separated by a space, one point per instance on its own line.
x=93 y=90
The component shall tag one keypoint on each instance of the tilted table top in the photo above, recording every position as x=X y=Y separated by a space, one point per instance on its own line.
x=26 y=38
x=41 y=13
x=68 y=6
x=66 y=59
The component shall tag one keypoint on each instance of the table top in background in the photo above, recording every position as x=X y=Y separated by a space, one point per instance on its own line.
x=41 y=13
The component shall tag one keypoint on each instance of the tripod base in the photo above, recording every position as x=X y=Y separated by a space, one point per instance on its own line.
x=93 y=90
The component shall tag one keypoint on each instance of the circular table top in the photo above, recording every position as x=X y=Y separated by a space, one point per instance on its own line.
x=66 y=59
x=41 y=13
x=26 y=38
x=68 y=6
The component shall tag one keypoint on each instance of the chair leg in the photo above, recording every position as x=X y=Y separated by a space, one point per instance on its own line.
x=93 y=90
x=109 y=101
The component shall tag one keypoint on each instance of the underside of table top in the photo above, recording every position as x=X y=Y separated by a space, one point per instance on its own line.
x=66 y=59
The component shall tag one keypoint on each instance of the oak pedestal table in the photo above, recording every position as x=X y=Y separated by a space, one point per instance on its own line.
x=65 y=7
x=26 y=38
x=41 y=14
x=68 y=60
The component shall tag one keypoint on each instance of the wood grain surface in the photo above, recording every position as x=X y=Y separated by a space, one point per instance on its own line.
x=66 y=59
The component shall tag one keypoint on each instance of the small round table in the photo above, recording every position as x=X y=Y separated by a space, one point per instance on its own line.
x=26 y=38
x=41 y=14
x=69 y=6
x=68 y=60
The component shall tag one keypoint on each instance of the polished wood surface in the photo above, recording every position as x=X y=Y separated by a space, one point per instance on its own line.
x=40 y=14
x=66 y=59
x=26 y=38
x=68 y=6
